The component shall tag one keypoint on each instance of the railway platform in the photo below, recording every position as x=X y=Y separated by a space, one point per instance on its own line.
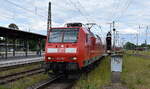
x=20 y=61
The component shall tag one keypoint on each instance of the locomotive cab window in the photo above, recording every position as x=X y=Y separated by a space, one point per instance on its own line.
x=56 y=36
x=70 y=36
x=63 y=35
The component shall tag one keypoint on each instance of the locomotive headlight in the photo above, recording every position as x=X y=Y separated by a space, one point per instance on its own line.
x=108 y=51
x=74 y=58
x=49 y=58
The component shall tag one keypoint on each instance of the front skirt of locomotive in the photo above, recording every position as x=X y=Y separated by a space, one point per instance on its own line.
x=59 y=67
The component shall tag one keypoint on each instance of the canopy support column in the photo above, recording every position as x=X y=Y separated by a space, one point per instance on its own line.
x=14 y=46
x=6 y=49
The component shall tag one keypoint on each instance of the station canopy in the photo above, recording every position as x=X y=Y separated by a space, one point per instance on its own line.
x=19 y=34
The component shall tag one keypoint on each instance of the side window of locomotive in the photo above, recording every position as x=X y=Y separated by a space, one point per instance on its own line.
x=86 y=38
x=97 y=40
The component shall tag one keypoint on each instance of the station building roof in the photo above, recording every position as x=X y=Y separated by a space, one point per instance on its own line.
x=19 y=34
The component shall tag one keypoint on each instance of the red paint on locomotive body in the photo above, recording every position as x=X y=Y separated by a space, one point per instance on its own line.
x=73 y=45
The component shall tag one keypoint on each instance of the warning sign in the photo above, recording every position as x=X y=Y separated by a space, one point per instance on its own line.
x=116 y=63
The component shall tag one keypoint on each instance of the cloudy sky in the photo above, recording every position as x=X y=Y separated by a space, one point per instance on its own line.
x=31 y=15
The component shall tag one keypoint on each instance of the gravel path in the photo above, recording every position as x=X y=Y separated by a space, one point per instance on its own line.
x=116 y=82
x=115 y=86
x=115 y=77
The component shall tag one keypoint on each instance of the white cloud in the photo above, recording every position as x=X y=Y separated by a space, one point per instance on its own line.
x=128 y=31
x=64 y=11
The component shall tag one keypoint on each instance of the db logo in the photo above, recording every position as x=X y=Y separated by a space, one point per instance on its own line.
x=61 y=50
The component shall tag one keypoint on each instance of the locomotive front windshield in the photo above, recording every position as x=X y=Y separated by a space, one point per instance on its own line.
x=63 y=35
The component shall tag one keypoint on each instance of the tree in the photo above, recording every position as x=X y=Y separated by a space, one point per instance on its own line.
x=129 y=46
x=143 y=45
x=43 y=44
x=148 y=46
x=13 y=26
x=33 y=45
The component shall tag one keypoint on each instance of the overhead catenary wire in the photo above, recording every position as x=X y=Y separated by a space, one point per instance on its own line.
x=15 y=16
x=112 y=14
x=79 y=10
x=26 y=9
x=83 y=8
x=100 y=27
x=122 y=12
x=89 y=15
x=116 y=8
x=6 y=17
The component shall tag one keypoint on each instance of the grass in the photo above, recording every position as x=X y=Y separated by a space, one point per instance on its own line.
x=25 y=82
x=99 y=77
x=135 y=75
x=136 y=72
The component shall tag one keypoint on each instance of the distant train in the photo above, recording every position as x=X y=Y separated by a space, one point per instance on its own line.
x=72 y=48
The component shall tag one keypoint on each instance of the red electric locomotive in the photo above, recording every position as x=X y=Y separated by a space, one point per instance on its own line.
x=71 y=48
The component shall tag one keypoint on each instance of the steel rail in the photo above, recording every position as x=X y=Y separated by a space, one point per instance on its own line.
x=16 y=76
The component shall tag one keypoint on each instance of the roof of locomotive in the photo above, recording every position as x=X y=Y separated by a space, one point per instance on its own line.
x=83 y=28
x=64 y=27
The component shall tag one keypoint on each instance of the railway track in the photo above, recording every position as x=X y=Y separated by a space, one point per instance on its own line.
x=139 y=55
x=56 y=82
x=17 y=66
x=60 y=82
x=13 y=77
